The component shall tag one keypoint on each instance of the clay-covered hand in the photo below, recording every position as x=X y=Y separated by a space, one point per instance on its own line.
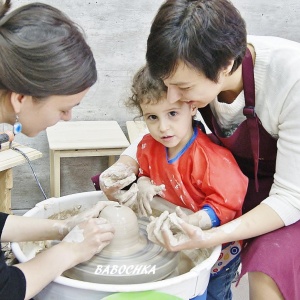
x=92 y=212
x=89 y=238
x=199 y=218
x=164 y=221
x=146 y=191
x=154 y=228
x=173 y=233
x=114 y=179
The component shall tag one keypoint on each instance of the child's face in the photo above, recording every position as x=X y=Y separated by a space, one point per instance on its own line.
x=169 y=123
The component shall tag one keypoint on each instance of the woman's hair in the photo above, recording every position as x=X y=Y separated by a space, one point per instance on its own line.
x=204 y=34
x=145 y=89
x=43 y=53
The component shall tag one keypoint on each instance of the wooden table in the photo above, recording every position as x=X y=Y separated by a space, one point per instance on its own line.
x=82 y=138
x=9 y=159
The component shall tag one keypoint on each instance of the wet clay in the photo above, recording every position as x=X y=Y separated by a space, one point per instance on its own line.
x=130 y=257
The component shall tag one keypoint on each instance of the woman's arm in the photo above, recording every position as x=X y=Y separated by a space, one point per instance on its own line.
x=258 y=221
x=19 y=228
x=283 y=109
x=84 y=241
x=83 y=235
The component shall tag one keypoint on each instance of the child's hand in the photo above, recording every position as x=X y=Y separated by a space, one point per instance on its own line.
x=114 y=179
x=146 y=192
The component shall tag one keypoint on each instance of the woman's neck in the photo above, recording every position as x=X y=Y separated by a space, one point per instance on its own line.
x=235 y=82
x=233 y=87
x=6 y=110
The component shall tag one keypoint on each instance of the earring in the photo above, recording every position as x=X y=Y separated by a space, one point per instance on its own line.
x=17 y=126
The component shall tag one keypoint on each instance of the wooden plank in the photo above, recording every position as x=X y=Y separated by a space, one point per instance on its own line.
x=91 y=152
x=10 y=158
x=86 y=135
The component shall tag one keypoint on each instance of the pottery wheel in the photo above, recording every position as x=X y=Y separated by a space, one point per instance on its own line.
x=130 y=258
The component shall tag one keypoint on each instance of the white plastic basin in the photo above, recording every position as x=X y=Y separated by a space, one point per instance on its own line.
x=185 y=286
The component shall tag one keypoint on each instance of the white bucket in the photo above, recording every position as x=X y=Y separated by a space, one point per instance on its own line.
x=185 y=286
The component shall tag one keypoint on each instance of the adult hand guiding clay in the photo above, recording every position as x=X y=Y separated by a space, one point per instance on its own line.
x=171 y=225
x=87 y=214
x=92 y=235
x=189 y=237
x=169 y=231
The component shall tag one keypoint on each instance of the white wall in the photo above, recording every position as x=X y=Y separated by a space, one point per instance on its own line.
x=117 y=32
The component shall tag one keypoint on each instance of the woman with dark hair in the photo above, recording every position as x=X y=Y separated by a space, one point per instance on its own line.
x=46 y=68
x=247 y=89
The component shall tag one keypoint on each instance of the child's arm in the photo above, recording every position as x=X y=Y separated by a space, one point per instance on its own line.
x=205 y=218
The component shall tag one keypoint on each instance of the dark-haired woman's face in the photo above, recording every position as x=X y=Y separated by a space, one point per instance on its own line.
x=36 y=116
x=188 y=85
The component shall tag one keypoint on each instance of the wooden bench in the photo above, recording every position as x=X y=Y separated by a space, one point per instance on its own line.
x=82 y=138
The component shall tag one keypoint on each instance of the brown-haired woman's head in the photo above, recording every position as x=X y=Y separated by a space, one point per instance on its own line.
x=43 y=53
x=204 y=34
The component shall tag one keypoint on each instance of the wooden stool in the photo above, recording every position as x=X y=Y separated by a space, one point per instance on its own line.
x=82 y=138
x=9 y=159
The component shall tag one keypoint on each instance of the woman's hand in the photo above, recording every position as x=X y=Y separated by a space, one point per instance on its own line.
x=173 y=233
x=79 y=245
x=188 y=237
x=87 y=214
x=89 y=238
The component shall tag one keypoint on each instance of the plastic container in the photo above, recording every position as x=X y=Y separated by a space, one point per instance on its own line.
x=148 y=295
x=184 y=286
